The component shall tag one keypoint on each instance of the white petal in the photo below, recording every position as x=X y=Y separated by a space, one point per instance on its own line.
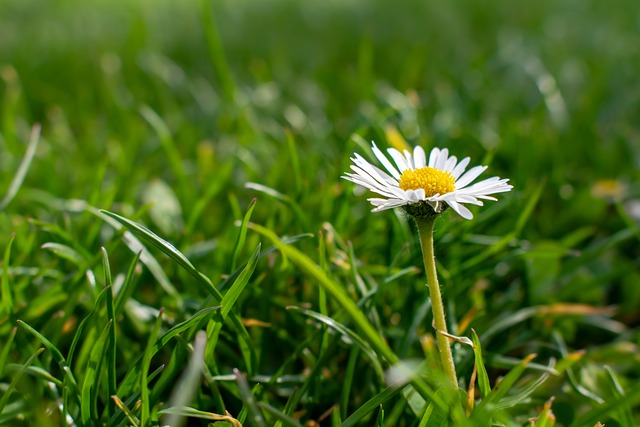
x=419 y=157
x=368 y=184
x=433 y=157
x=471 y=174
x=383 y=204
x=385 y=162
x=460 y=209
x=373 y=171
x=399 y=159
x=463 y=198
x=451 y=163
x=412 y=196
x=409 y=159
x=488 y=186
x=442 y=159
x=363 y=179
x=460 y=167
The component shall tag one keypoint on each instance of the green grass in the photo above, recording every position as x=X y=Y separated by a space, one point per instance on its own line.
x=177 y=242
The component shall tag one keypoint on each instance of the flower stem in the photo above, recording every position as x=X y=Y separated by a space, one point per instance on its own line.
x=425 y=229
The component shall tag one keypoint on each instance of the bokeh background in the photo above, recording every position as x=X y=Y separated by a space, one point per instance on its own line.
x=179 y=113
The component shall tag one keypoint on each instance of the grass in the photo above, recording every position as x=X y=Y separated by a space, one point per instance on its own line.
x=177 y=243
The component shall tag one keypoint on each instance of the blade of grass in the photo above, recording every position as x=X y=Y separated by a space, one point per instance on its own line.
x=126 y=383
x=186 y=387
x=295 y=161
x=348 y=381
x=249 y=399
x=346 y=333
x=127 y=287
x=16 y=378
x=546 y=417
x=169 y=146
x=134 y=399
x=66 y=252
x=242 y=235
x=111 y=346
x=285 y=420
x=185 y=411
x=244 y=339
x=625 y=416
x=369 y=406
x=126 y=411
x=21 y=173
x=4 y=354
x=631 y=399
x=525 y=392
x=144 y=371
x=502 y=388
x=574 y=382
x=37 y=372
x=166 y=247
x=147 y=259
x=6 y=301
x=216 y=51
x=286 y=200
x=227 y=304
x=483 y=378
x=232 y=295
x=90 y=385
x=309 y=267
x=223 y=175
x=525 y=214
x=83 y=323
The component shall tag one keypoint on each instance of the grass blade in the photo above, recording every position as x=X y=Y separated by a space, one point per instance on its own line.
x=4 y=354
x=216 y=51
x=347 y=333
x=65 y=252
x=111 y=346
x=625 y=415
x=125 y=384
x=168 y=144
x=127 y=288
x=232 y=295
x=21 y=173
x=502 y=388
x=370 y=405
x=16 y=378
x=249 y=399
x=483 y=378
x=242 y=234
x=81 y=326
x=285 y=420
x=186 y=387
x=90 y=385
x=6 y=301
x=126 y=411
x=166 y=247
x=309 y=267
x=57 y=355
x=144 y=371
x=546 y=417
x=630 y=399
x=185 y=411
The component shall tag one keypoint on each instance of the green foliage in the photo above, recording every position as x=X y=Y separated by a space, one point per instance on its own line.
x=177 y=245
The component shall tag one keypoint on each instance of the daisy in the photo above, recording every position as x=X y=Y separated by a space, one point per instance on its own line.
x=414 y=184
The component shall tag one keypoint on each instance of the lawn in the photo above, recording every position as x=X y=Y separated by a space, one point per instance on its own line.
x=178 y=246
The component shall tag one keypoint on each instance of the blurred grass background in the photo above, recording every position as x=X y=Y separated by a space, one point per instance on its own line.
x=163 y=111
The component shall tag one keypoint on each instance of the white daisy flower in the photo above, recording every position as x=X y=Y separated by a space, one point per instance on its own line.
x=440 y=182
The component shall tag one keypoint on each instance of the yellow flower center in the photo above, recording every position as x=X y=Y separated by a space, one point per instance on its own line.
x=433 y=181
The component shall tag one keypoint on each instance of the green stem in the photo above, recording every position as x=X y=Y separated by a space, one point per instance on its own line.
x=425 y=229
